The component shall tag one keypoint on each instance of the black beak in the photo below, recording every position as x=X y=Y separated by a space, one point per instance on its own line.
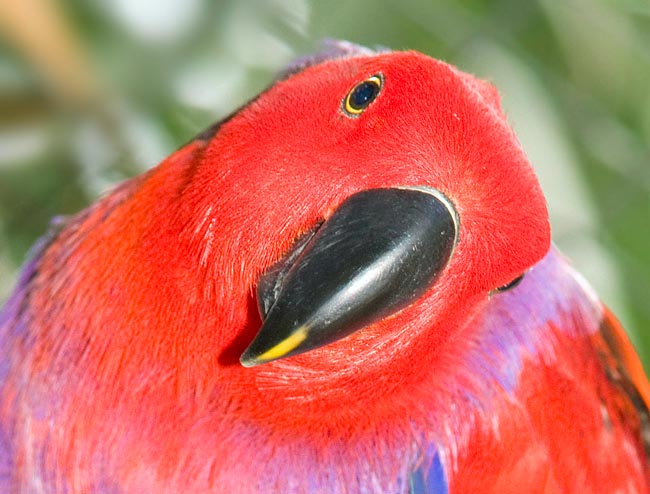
x=379 y=251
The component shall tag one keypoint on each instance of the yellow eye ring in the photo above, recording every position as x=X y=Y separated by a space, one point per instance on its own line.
x=361 y=95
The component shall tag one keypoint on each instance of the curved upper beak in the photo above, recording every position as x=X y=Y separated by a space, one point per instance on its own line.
x=379 y=252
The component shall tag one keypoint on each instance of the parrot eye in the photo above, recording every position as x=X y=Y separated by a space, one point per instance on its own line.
x=361 y=95
x=510 y=285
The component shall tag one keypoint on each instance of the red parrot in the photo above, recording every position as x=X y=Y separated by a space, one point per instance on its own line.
x=346 y=286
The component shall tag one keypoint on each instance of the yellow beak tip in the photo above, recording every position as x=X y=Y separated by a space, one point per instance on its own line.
x=279 y=350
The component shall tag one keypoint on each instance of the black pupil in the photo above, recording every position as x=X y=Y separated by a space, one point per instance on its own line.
x=363 y=94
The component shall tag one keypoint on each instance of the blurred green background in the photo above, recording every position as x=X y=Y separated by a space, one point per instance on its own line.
x=95 y=91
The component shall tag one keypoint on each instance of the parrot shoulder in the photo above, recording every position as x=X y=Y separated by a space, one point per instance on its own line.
x=624 y=370
x=572 y=387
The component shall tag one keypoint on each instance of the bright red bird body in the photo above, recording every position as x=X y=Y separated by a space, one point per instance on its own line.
x=120 y=347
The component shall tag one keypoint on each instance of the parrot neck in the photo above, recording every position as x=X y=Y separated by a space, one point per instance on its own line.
x=384 y=371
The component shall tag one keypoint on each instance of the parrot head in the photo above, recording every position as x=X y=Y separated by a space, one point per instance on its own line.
x=369 y=196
